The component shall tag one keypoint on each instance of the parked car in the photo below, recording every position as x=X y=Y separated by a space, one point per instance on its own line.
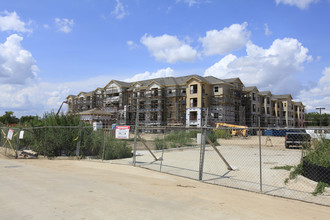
x=297 y=139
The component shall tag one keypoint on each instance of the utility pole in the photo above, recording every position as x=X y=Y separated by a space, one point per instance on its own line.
x=320 y=108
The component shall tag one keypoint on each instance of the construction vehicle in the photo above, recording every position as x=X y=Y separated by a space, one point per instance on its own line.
x=236 y=130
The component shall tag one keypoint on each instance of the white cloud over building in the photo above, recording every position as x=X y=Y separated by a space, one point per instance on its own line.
x=271 y=69
x=226 y=40
x=169 y=48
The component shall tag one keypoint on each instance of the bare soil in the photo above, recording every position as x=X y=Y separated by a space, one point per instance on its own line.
x=70 y=189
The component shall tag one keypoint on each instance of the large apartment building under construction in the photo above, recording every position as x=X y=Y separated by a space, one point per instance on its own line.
x=190 y=100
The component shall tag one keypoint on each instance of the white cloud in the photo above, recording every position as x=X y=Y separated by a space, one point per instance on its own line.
x=169 y=48
x=147 y=75
x=226 y=40
x=302 y=4
x=189 y=2
x=192 y=3
x=64 y=25
x=11 y=22
x=131 y=45
x=120 y=11
x=16 y=64
x=267 y=31
x=319 y=95
x=269 y=69
x=38 y=97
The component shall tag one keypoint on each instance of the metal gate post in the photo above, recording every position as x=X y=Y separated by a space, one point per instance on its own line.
x=79 y=139
x=202 y=154
x=260 y=163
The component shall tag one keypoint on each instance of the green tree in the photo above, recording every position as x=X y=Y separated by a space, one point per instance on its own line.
x=9 y=118
x=313 y=119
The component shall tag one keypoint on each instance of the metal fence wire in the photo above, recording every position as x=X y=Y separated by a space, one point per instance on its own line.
x=290 y=163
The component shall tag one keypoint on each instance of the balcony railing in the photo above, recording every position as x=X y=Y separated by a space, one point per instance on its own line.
x=112 y=99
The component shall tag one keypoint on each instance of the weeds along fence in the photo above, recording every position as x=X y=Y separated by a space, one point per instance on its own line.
x=68 y=141
x=291 y=163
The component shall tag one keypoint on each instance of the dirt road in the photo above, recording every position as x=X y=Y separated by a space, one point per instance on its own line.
x=62 y=189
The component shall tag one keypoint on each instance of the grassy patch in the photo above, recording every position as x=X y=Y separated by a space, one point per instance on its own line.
x=286 y=167
x=320 y=188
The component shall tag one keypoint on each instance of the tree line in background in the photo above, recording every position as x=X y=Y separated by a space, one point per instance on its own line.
x=313 y=119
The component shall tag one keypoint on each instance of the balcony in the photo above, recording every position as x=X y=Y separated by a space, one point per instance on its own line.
x=110 y=91
x=110 y=109
x=112 y=99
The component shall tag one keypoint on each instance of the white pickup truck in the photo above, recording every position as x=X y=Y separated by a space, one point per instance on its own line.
x=319 y=133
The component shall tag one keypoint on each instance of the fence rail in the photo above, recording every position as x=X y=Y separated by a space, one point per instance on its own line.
x=288 y=163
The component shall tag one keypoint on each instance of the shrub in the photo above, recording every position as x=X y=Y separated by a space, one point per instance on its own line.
x=320 y=154
x=213 y=137
x=223 y=133
x=160 y=144
x=116 y=149
x=179 y=139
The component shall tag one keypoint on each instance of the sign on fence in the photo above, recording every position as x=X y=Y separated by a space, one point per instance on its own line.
x=10 y=134
x=122 y=132
x=21 y=134
x=97 y=125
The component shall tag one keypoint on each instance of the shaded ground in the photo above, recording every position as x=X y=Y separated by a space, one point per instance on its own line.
x=64 y=189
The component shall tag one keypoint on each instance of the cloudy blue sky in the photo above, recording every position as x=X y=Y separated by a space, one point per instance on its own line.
x=50 y=49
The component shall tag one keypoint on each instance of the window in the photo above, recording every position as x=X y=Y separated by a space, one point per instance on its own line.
x=193 y=116
x=142 y=116
x=154 y=92
x=169 y=103
x=254 y=108
x=153 y=116
x=169 y=91
x=193 y=102
x=216 y=89
x=216 y=115
x=154 y=104
x=169 y=115
x=141 y=105
x=193 y=89
x=253 y=96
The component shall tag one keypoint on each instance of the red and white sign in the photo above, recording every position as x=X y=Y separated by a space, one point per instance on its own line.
x=122 y=132
x=10 y=134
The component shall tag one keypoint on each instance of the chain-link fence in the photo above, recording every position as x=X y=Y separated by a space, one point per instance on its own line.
x=291 y=163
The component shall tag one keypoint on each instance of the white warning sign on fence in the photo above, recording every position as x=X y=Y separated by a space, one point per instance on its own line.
x=122 y=132
x=21 y=134
x=10 y=134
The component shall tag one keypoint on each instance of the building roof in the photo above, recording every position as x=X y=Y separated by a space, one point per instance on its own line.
x=123 y=84
x=265 y=93
x=285 y=96
x=250 y=88
x=214 y=80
